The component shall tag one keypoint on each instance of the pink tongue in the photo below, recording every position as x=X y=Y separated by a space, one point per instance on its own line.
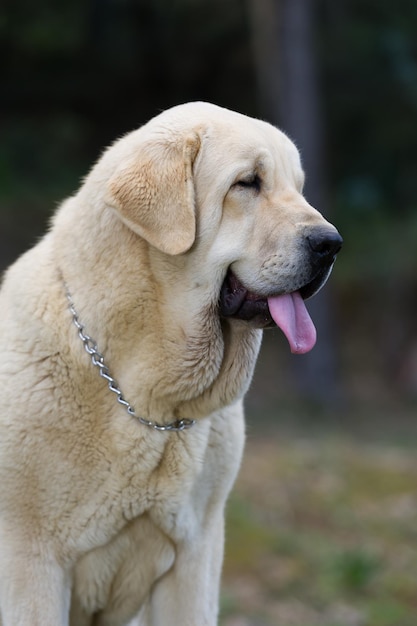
x=290 y=314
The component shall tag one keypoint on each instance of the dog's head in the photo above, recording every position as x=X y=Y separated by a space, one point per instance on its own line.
x=225 y=191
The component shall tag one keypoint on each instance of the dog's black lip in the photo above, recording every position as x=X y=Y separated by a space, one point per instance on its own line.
x=311 y=288
x=232 y=295
x=237 y=302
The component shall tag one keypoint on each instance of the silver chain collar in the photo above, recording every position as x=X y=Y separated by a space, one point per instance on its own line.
x=97 y=359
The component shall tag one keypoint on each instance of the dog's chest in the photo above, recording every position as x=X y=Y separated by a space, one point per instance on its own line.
x=118 y=576
x=157 y=475
x=162 y=508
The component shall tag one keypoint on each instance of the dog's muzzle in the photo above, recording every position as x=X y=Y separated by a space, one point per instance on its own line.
x=260 y=311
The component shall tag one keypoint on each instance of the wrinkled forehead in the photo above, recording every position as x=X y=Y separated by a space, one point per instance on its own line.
x=244 y=143
x=283 y=152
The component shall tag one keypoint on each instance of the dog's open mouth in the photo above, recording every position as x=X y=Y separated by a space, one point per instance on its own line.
x=287 y=311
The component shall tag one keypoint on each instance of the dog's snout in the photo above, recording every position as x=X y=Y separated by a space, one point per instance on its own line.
x=325 y=243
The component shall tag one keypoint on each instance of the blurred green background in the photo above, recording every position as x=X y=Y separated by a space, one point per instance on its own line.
x=340 y=77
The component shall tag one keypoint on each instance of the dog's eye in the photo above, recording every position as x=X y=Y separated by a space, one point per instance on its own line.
x=253 y=182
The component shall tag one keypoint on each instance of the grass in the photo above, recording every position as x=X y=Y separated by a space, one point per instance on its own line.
x=322 y=532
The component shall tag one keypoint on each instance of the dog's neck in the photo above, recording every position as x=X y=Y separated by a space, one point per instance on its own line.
x=98 y=360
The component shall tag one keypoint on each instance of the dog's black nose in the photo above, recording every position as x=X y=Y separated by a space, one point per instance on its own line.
x=325 y=243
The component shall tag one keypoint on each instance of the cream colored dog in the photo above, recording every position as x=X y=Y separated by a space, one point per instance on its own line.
x=187 y=238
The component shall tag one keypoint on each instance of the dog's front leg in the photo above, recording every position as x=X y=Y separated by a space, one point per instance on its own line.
x=33 y=589
x=188 y=595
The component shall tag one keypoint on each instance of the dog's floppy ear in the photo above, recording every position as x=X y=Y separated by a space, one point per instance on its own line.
x=154 y=193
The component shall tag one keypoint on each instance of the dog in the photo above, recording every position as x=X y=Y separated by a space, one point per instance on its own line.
x=128 y=338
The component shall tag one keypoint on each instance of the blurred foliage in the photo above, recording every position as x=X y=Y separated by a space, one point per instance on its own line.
x=369 y=56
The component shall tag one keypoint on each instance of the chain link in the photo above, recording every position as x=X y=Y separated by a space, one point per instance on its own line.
x=97 y=359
